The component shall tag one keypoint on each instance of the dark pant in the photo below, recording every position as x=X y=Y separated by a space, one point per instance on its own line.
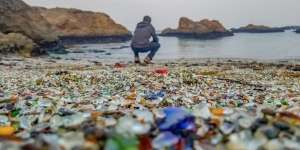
x=153 y=48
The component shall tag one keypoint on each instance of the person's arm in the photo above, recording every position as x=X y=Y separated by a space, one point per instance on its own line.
x=154 y=35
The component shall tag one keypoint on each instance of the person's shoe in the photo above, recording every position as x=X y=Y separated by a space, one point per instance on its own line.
x=137 y=61
x=147 y=60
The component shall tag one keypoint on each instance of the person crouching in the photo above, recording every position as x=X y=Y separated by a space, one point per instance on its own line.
x=141 y=41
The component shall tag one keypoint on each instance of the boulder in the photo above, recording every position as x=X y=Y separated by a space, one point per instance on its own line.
x=251 y=28
x=79 y=26
x=17 y=43
x=18 y=17
x=204 y=29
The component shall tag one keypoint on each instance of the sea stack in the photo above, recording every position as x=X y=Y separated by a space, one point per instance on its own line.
x=77 y=26
x=251 y=28
x=204 y=29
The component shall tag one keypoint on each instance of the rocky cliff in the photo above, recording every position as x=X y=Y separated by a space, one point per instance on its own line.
x=48 y=28
x=79 y=26
x=24 y=23
x=18 y=17
x=204 y=29
x=251 y=28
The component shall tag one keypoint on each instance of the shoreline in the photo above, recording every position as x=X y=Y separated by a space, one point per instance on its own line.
x=108 y=61
x=73 y=40
x=45 y=63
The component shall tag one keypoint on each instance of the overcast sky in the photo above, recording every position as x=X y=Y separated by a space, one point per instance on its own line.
x=165 y=13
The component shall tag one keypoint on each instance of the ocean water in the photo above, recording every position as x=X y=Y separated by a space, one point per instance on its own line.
x=243 y=45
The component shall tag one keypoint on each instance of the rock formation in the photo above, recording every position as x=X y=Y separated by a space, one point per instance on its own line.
x=204 y=29
x=290 y=27
x=297 y=31
x=48 y=28
x=257 y=29
x=78 y=25
x=16 y=43
x=18 y=17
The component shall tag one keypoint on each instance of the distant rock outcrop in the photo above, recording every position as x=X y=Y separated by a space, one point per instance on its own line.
x=290 y=27
x=297 y=31
x=257 y=29
x=76 y=25
x=204 y=29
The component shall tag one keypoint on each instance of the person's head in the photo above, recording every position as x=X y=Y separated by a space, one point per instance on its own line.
x=147 y=19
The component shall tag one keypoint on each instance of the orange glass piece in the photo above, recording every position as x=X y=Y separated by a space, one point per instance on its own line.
x=7 y=131
x=217 y=111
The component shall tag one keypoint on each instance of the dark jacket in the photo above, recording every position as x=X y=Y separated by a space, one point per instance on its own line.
x=142 y=34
